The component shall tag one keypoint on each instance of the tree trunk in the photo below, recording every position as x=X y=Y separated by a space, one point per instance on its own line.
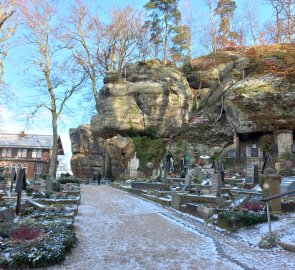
x=94 y=89
x=53 y=161
x=166 y=41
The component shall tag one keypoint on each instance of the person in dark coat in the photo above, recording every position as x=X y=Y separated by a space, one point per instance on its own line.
x=94 y=177
x=98 y=178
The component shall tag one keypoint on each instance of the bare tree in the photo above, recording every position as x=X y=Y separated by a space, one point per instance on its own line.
x=99 y=47
x=251 y=17
x=7 y=28
x=52 y=79
x=213 y=21
x=289 y=19
x=126 y=32
x=79 y=33
x=188 y=21
x=278 y=9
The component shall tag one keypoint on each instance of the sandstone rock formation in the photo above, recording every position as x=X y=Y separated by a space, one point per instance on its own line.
x=151 y=95
x=88 y=152
x=253 y=88
x=261 y=105
x=120 y=148
x=235 y=92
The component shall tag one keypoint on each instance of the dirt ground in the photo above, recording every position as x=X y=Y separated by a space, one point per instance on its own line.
x=117 y=230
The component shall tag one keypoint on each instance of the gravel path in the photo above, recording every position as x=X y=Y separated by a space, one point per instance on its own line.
x=119 y=231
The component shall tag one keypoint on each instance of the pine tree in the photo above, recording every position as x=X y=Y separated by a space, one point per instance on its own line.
x=181 y=48
x=226 y=9
x=165 y=17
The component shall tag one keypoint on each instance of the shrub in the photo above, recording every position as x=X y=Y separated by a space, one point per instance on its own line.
x=246 y=218
x=149 y=150
x=266 y=142
x=56 y=186
x=68 y=180
x=152 y=132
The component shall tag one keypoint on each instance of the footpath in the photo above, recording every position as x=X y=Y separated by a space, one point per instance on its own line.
x=117 y=231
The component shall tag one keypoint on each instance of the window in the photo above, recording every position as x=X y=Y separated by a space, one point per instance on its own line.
x=39 y=153
x=14 y=166
x=38 y=168
x=25 y=166
x=34 y=153
x=22 y=152
x=6 y=152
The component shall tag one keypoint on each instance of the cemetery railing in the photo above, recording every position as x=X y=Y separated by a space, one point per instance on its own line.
x=267 y=199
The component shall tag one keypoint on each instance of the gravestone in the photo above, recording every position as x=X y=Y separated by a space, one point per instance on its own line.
x=6 y=215
x=187 y=180
x=252 y=176
x=133 y=166
x=270 y=183
x=216 y=184
x=198 y=172
x=287 y=184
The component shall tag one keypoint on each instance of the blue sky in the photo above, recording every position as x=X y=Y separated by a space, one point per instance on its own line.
x=17 y=73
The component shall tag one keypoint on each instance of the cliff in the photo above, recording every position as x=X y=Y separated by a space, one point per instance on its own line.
x=150 y=96
x=200 y=108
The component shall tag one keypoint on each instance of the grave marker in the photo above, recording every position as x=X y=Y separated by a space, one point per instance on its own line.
x=20 y=186
x=252 y=177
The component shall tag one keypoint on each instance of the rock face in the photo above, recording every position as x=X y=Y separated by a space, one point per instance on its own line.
x=152 y=96
x=261 y=105
x=235 y=92
x=94 y=154
x=120 y=148
x=88 y=152
x=254 y=88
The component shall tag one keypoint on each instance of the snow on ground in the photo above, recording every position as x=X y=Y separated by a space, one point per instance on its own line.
x=119 y=231
x=284 y=228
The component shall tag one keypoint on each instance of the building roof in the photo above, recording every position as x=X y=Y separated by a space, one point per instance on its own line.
x=28 y=141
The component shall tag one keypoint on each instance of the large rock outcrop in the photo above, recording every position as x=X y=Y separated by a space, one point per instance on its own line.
x=238 y=91
x=88 y=152
x=254 y=88
x=264 y=104
x=151 y=96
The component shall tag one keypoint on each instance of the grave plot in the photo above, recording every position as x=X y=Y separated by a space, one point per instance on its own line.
x=42 y=232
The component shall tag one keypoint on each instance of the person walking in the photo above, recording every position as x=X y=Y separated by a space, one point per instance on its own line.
x=94 y=177
x=98 y=178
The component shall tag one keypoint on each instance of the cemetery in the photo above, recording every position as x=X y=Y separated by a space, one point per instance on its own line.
x=37 y=227
x=228 y=198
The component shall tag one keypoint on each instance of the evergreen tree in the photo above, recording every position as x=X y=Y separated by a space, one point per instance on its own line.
x=181 y=48
x=165 y=18
x=226 y=9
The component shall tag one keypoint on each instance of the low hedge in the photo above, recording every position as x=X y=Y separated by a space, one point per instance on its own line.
x=246 y=218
